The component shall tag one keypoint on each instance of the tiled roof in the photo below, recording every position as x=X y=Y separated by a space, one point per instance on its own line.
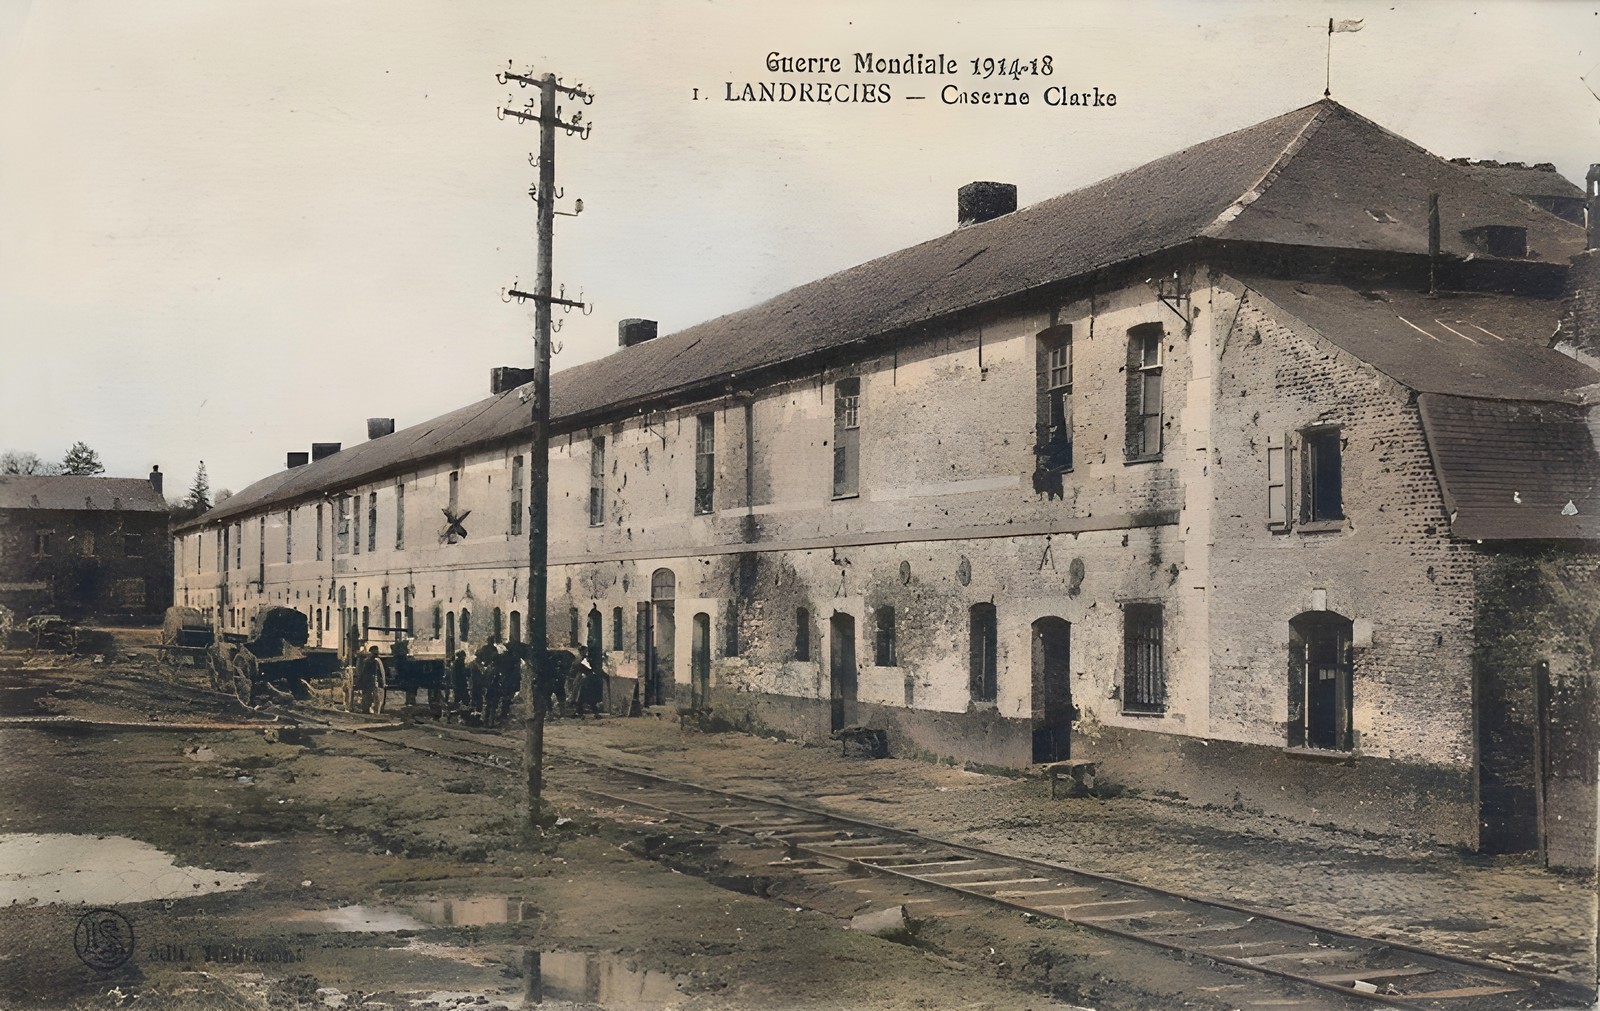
x=1311 y=177
x=1524 y=180
x=1470 y=345
x=1514 y=471
x=72 y=492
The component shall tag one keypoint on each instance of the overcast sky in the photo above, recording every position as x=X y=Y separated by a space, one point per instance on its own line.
x=228 y=229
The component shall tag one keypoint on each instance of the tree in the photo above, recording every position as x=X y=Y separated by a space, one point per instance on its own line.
x=82 y=460
x=14 y=461
x=200 y=492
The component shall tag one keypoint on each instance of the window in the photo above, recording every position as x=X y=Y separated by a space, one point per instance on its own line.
x=438 y=620
x=1053 y=415
x=597 y=486
x=616 y=629
x=341 y=535
x=1321 y=665
x=594 y=643
x=372 y=521
x=641 y=628
x=516 y=496
x=130 y=592
x=1323 y=497
x=288 y=535
x=319 y=531
x=705 y=462
x=984 y=653
x=238 y=545
x=847 y=438
x=222 y=549
x=1144 y=391
x=261 y=549
x=516 y=626
x=497 y=625
x=454 y=530
x=86 y=542
x=802 y=634
x=399 y=516
x=466 y=626
x=1144 y=667
x=572 y=627
x=883 y=640
x=41 y=541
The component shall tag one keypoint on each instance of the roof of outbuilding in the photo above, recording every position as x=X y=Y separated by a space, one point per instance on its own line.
x=1523 y=180
x=1310 y=177
x=1514 y=471
x=75 y=492
x=1470 y=345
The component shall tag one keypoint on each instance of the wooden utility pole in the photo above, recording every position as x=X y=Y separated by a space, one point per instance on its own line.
x=544 y=194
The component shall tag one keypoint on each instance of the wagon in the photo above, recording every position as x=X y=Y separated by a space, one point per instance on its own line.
x=400 y=670
x=185 y=636
x=275 y=659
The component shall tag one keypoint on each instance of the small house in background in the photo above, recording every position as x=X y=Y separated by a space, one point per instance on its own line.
x=81 y=546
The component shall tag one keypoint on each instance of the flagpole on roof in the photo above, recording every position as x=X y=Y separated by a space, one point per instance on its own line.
x=1327 y=84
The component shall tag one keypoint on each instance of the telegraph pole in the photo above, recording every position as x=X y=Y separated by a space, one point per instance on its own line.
x=544 y=111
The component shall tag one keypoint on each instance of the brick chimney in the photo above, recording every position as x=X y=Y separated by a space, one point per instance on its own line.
x=635 y=331
x=155 y=478
x=298 y=460
x=322 y=450
x=377 y=428
x=980 y=201
x=506 y=378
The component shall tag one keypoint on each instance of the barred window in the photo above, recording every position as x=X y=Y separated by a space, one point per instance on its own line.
x=1144 y=665
x=984 y=644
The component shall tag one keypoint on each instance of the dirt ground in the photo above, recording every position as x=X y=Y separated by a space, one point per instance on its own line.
x=287 y=868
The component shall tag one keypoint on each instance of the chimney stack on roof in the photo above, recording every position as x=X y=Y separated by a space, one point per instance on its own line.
x=635 y=331
x=377 y=428
x=322 y=450
x=155 y=477
x=298 y=460
x=981 y=201
x=506 y=378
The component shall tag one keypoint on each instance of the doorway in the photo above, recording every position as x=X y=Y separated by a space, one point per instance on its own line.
x=660 y=638
x=841 y=669
x=700 y=661
x=1052 y=690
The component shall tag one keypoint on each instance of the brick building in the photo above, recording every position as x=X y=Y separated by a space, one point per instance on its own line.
x=80 y=546
x=1184 y=472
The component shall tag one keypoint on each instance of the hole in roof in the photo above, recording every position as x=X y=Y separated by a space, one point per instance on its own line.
x=1380 y=216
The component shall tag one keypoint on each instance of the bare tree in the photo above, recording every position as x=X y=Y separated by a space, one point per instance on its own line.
x=22 y=461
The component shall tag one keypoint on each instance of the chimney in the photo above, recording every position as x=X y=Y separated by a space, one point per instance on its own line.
x=507 y=378
x=635 y=331
x=320 y=450
x=298 y=460
x=155 y=478
x=979 y=202
x=377 y=428
x=1593 y=207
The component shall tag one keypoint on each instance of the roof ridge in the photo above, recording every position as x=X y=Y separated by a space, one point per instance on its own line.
x=1273 y=171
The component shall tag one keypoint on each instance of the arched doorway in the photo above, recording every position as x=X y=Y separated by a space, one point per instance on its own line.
x=450 y=635
x=594 y=642
x=1052 y=690
x=700 y=660
x=1320 y=669
x=659 y=638
x=841 y=669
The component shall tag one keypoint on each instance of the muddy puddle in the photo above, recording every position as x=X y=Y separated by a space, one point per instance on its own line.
x=607 y=980
x=473 y=911
x=46 y=868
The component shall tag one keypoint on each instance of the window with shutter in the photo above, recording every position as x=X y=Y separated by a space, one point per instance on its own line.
x=847 y=438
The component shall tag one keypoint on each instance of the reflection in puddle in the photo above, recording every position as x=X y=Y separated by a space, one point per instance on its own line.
x=606 y=980
x=56 y=867
x=361 y=919
x=475 y=911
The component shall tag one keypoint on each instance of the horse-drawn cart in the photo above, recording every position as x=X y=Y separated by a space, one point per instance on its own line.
x=275 y=659
x=399 y=670
x=185 y=636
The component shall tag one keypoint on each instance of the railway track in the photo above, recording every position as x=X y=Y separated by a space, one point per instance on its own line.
x=1376 y=970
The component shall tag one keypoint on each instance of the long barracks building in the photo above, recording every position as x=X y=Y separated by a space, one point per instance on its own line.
x=1184 y=472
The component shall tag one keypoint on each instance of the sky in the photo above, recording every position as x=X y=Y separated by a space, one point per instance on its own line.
x=230 y=229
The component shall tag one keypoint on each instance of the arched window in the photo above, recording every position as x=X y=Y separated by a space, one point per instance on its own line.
x=450 y=635
x=883 y=638
x=516 y=626
x=1321 y=668
x=663 y=585
x=497 y=625
x=466 y=627
x=802 y=634
x=572 y=628
x=594 y=643
x=984 y=653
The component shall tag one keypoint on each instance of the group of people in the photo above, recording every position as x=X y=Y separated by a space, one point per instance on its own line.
x=483 y=689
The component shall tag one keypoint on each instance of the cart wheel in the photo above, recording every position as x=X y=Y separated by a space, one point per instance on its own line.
x=244 y=676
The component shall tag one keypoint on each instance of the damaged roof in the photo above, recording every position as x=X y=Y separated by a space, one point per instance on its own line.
x=1540 y=180
x=74 y=492
x=1470 y=345
x=1317 y=176
x=1514 y=470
